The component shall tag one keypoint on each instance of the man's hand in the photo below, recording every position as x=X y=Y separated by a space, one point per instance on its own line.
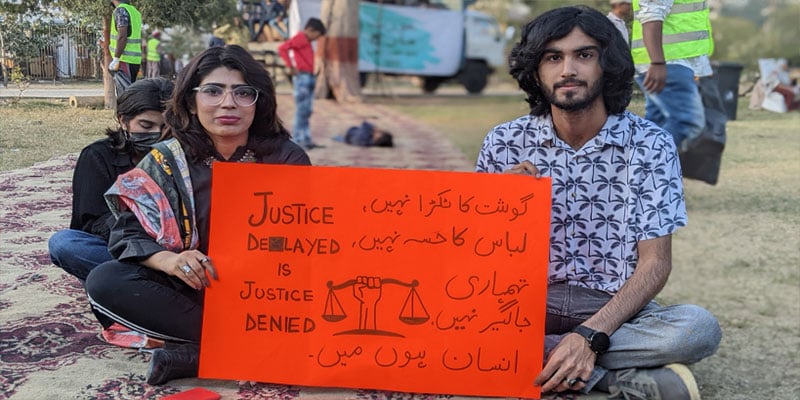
x=113 y=66
x=655 y=78
x=571 y=360
x=524 y=168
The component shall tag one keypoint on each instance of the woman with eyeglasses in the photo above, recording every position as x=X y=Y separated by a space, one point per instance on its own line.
x=223 y=110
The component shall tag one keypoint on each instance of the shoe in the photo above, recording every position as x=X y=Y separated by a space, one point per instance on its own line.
x=671 y=382
x=174 y=362
x=593 y=395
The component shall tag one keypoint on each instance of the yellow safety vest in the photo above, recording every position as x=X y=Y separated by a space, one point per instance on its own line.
x=152 y=50
x=686 y=32
x=132 y=53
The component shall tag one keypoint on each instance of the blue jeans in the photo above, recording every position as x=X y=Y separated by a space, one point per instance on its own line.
x=678 y=108
x=274 y=23
x=77 y=252
x=303 y=101
x=654 y=337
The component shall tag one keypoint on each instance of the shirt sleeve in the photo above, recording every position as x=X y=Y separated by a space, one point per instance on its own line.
x=92 y=177
x=283 y=51
x=662 y=206
x=128 y=240
x=492 y=147
x=653 y=10
x=293 y=154
x=482 y=164
x=121 y=17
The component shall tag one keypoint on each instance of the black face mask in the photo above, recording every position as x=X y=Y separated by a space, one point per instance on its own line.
x=140 y=142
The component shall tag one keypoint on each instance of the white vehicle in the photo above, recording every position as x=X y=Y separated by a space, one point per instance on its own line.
x=431 y=43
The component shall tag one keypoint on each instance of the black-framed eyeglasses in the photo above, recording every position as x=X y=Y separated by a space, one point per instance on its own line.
x=214 y=95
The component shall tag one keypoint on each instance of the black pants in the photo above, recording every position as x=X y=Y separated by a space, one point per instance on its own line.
x=146 y=300
x=134 y=71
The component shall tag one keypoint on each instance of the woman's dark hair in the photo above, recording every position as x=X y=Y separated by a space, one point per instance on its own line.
x=266 y=132
x=615 y=57
x=143 y=95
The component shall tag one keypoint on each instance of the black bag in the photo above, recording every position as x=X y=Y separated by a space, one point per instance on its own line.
x=121 y=82
x=701 y=156
x=165 y=67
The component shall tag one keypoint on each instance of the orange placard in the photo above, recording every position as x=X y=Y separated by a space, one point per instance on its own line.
x=414 y=281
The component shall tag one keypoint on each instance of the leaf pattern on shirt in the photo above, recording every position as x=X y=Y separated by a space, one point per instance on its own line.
x=624 y=185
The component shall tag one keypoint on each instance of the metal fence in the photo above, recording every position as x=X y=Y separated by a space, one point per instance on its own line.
x=73 y=54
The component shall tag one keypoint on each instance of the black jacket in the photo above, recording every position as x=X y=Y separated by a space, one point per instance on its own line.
x=98 y=167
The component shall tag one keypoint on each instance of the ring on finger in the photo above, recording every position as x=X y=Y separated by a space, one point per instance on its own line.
x=573 y=381
x=186 y=269
x=204 y=260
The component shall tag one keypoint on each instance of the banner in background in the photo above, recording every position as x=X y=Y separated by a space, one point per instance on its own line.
x=399 y=39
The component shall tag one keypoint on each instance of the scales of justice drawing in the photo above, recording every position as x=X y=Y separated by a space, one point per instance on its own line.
x=369 y=291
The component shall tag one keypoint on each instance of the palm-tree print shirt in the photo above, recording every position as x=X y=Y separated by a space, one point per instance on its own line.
x=624 y=185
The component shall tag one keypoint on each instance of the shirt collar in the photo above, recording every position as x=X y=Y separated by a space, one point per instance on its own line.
x=616 y=130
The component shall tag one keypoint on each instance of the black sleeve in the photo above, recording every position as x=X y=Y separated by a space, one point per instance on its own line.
x=93 y=175
x=291 y=153
x=129 y=242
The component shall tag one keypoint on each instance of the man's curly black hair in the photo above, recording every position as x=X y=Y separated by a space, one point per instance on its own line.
x=615 y=56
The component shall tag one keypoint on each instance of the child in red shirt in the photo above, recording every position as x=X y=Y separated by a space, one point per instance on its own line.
x=298 y=55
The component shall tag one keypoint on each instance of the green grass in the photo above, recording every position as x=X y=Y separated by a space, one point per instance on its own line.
x=37 y=130
x=467 y=119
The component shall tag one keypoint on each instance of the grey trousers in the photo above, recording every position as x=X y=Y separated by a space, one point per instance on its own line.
x=654 y=337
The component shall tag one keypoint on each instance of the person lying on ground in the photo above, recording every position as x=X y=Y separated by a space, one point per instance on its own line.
x=366 y=135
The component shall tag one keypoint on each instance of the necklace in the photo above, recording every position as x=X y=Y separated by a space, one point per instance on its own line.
x=248 y=156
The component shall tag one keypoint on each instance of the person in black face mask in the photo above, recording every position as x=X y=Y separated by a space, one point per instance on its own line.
x=84 y=245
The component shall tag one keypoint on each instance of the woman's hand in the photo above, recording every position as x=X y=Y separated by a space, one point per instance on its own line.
x=191 y=266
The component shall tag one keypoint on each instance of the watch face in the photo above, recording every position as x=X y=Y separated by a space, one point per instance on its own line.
x=600 y=342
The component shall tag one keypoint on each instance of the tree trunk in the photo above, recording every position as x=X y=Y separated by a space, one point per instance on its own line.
x=108 y=82
x=3 y=75
x=337 y=52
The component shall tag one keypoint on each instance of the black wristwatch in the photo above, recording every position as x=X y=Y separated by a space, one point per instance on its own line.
x=598 y=341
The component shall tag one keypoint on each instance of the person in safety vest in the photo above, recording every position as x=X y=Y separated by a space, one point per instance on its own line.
x=671 y=43
x=154 y=55
x=125 y=43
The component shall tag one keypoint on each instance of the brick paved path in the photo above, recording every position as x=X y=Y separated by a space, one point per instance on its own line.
x=417 y=146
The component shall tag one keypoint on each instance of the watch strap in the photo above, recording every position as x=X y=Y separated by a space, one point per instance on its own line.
x=598 y=341
x=585 y=332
